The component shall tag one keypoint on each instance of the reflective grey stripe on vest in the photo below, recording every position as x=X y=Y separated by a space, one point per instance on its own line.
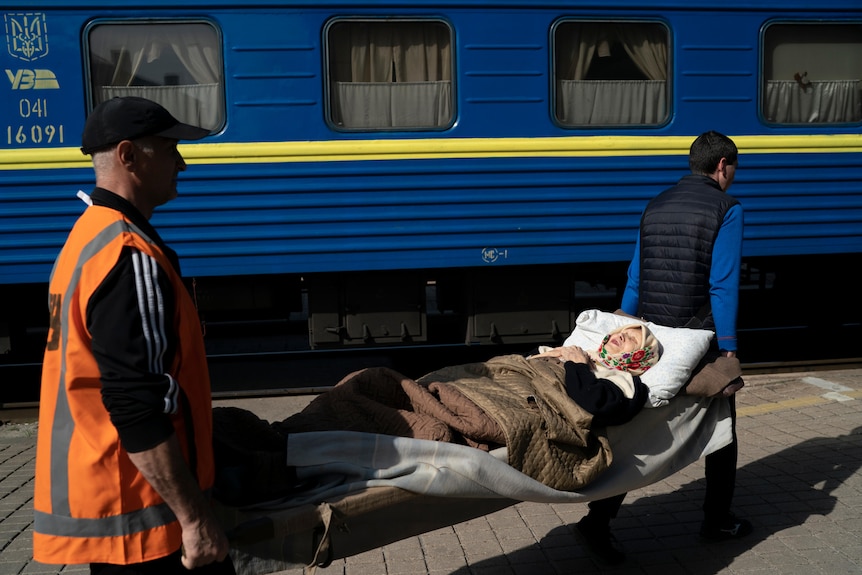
x=60 y=521
x=114 y=526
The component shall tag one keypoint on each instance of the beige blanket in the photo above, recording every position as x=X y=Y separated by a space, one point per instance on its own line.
x=549 y=437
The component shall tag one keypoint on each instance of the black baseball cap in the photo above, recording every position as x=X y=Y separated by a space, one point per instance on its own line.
x=131 y=117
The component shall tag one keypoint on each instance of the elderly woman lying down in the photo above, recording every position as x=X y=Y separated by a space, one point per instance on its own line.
x=613 y=393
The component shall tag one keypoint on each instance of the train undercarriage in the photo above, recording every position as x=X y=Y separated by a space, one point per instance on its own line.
x=287 y=331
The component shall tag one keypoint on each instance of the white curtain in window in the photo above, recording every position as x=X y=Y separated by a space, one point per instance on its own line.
x=399 y=75
x=818 y=102
x=645 y=44
x=578 y=48
x=612 y=101
x=404 y=52
x=195 y=102
x=120 y=52
x=647 y=47
x=389 y=104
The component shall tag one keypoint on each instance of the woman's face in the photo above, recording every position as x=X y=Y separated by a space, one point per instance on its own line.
x=628 y=339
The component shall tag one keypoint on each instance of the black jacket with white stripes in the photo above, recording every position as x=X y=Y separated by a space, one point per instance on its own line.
x=136 y=389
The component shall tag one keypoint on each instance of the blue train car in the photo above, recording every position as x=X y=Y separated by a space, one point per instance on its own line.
x=391 y=174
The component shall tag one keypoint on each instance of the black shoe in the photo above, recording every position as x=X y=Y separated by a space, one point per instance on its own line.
x=731 y=528
x=600 y=542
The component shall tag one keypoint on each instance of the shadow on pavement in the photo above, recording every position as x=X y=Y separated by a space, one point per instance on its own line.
x=775 y=493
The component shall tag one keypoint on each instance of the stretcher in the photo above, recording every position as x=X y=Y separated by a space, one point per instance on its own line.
x=377 y=489
x=358 y=491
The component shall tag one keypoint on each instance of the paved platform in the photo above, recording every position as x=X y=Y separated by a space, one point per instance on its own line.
x=799 y=482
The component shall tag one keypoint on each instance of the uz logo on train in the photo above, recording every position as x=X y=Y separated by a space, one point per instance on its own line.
x=27 y=41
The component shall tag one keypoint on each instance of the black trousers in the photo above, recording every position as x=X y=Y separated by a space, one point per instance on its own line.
x=170 y=565
x=720 y=472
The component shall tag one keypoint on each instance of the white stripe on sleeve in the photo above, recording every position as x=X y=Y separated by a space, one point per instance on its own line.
x=151 y=308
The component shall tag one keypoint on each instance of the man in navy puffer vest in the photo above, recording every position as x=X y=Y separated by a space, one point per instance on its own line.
x=685 y=272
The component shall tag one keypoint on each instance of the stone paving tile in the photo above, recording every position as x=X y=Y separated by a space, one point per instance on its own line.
x=799 y=482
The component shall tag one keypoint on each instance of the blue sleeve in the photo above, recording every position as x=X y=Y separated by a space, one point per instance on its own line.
x=724 y=278
x=631 y=294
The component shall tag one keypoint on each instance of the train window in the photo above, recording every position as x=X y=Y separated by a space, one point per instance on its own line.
x=611 y=73
x=392 y=74
x=177 y=64
x=812 y=73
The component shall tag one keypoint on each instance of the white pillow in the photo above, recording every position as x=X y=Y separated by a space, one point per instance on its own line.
x=682 y=349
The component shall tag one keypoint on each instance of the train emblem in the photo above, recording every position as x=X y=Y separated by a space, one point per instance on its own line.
x=26 y=36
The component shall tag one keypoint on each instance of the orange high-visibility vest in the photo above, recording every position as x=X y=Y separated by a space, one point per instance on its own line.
x=92 y=505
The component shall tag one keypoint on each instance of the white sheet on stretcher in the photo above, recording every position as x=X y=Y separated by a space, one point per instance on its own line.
x=655 y=444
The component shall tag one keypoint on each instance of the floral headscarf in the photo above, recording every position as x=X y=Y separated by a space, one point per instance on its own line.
x=635 y=362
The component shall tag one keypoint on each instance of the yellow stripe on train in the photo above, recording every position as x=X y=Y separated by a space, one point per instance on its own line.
x=442 y=148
